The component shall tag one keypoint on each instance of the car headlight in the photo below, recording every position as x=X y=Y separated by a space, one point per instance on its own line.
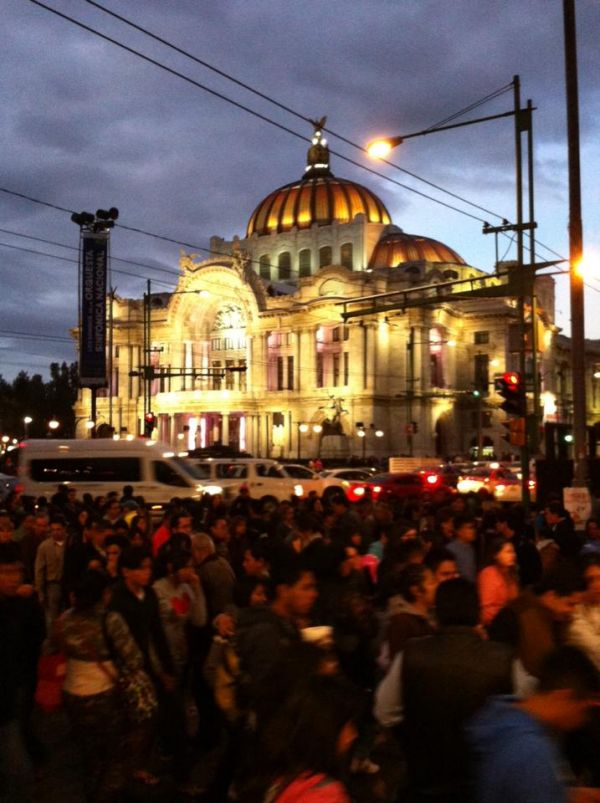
x=213 y=490
x=298 y=490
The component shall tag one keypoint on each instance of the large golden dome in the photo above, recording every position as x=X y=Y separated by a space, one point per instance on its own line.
x=318 y=198
x=397 y=248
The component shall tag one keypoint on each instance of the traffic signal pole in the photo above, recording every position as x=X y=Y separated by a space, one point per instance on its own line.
x=520 y=125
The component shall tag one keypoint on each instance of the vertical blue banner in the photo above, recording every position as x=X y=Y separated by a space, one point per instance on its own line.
x=92 y=345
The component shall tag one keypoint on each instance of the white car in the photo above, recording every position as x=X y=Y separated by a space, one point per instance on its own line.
x=266 y=479
x=344 y=479
x=502 y=483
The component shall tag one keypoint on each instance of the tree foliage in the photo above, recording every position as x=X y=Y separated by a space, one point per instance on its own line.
x=41 y=400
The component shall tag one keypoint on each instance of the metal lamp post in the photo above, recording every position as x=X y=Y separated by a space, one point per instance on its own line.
x=27 y=420
x=523 y=124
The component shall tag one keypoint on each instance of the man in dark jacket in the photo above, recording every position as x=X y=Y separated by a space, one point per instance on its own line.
x=138 y=604
x=22 y=632
x=265 y=636
x=435 y=686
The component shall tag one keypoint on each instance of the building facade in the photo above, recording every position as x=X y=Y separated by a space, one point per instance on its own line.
x=251 y=349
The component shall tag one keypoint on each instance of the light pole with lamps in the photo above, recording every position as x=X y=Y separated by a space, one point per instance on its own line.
x=523 y=124
x=53 y=426
x=27 y=420
x=361 y=432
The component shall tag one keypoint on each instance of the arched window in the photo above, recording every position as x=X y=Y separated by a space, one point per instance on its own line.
x=264 y=266
x=284 y=263
x=304 y=262
x=346 y=256
x=325 y=256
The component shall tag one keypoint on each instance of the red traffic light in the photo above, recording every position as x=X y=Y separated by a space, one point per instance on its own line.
x=511 y=388
x=512 y=379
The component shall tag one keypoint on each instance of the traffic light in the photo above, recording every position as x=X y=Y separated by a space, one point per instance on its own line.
x=149 y=424
x=511 y=387
x=515 y=431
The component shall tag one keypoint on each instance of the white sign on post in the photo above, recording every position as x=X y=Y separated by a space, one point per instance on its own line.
x=578 y=502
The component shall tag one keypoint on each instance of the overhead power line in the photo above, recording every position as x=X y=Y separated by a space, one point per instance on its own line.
x=485 y=99
x=75 y=261
x=305 y=118
x=278 y=125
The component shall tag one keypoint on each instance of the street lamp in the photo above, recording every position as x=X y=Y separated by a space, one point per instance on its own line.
x=27 y=420
x=53 y=425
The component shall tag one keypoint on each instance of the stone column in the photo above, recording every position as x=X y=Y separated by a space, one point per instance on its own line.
x=225 y=429
x=371 y=356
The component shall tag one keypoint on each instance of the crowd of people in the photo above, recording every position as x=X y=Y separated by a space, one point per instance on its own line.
x=283 y=645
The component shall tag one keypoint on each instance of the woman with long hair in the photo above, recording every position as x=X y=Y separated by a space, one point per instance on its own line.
x=305 y=746
x=90 y=689
x=498 y=582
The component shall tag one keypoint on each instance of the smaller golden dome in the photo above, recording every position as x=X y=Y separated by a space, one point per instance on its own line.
x=398 y=248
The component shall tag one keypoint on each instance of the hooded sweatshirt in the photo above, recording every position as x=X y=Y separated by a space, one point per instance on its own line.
x=516 y=758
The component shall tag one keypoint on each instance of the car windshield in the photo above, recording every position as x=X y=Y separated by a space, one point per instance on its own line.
x=478 y=472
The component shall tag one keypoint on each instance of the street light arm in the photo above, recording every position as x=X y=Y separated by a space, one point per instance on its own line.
x=376 y=147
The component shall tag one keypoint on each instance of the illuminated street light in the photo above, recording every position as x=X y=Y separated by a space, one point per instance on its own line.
x=53 y=425
x=379 y=433
x=381 y=148
x=27 y=420
x=317 y=428
x=303 y=427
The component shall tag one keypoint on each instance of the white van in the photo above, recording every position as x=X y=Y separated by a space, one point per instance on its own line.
x=266 y=479
x=98 y=466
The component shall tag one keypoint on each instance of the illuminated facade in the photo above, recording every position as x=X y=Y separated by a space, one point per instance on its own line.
x=251 y=350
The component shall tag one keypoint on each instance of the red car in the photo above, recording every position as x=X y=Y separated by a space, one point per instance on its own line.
x=400 y=486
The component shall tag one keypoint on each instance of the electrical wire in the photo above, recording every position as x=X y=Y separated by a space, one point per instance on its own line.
x=272 y=122
x=269 y=120
x=154 y=235
x=306 y=119
x=30 y=335
x=75 y=261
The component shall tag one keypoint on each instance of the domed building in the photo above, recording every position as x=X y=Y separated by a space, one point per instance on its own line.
x=319 y=332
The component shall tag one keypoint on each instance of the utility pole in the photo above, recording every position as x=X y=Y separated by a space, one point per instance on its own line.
x=575 y=249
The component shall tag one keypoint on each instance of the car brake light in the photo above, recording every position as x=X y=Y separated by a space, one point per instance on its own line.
x=532 y=483
x=19 y=489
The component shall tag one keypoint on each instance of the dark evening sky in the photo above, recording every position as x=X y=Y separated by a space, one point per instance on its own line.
x=88 y=125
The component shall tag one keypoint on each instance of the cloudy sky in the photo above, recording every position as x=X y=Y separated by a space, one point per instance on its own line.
x=87 y=125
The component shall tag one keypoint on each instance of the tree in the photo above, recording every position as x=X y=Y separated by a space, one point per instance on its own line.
x=31 y=396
